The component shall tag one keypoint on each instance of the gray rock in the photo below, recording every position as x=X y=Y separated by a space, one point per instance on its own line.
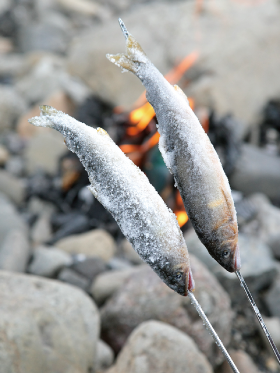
x=13 y=187
x=43 y=152
x=96 y=243
x=37 y=206
x=104 y=356
x=54 y=327
x=258 y=266
x=129 y=253
x=50 y=34
x=15 y=166
x=106 y=284
x=144 y=296
x=5 y=5
x=273 y=326
x=89 y=267
x=4 y=155
x=255 y=172
x=41 y=231
x=71 y=277
x=164 y=40
x=47 y=261
x=118 y=264
x=266 y=223
x=15 y=251
x=243 y=362
x=48 y=79
x=156 y=346
x=272 y=297
x=11 y=106
x=9 y=218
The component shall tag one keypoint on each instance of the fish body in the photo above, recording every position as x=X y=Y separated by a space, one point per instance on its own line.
x=124 y=190
x=191 y=158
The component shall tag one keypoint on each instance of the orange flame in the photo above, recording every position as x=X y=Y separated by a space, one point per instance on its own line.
x=180 y=211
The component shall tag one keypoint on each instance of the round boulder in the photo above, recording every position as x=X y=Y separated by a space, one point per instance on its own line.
x=144 y=297
x=46 y=326
x=158 y=347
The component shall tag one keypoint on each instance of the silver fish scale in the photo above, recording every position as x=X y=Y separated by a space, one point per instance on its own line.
x=126 y=193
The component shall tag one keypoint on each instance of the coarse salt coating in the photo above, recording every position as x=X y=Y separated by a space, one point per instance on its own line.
x=190 y=157
x=124 y=190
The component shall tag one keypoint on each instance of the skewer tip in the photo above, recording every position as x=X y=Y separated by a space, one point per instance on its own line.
x=124 y=29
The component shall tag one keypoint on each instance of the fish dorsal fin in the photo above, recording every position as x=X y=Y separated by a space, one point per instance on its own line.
x=181 y=93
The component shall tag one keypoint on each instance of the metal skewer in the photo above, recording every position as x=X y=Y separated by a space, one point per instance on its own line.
x=124 y=29
x=209 y=327
x=258 y=314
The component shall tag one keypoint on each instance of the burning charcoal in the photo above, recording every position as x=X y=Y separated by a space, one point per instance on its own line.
x=270 y=127
x=94 y=112
x=73 y=223
x=223 y=136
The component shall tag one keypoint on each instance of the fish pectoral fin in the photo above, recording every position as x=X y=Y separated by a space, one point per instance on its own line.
x=181 y=93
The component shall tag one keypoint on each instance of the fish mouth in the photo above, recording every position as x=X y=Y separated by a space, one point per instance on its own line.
x=190 y=284
x=237 y=260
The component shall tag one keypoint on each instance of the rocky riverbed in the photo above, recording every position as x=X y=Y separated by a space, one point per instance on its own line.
x=75 y=297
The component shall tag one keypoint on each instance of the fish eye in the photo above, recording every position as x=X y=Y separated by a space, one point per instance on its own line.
x=226 y=253
x=178 y=275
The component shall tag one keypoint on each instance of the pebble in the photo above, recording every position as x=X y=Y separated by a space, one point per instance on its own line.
x=50 y=34
x=255 y=172
x=272 y=297
x=58 y=99
x=9 y=218
x=104 y=356
x=15 y=251
x=118 y=264
x=106 y=284
x=11 y=107
x=96 y=243
x=41 y=231
x=156 y=346
x=54 y=327
x=4 y=155
x=15 y=166
x=47 y=261
x=273 y=326
x=243 y=362
x=71 y=277
x=12 y=187
x=267 y=222
x=89 y=267
x=144 y=296
x=129 y=253
x=43 y=152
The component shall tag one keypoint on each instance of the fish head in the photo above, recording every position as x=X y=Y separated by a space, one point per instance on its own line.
x=228 y=256
x=178 y=277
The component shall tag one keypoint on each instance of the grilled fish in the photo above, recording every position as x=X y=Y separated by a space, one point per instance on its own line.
x=124 y=190
x=190 y=156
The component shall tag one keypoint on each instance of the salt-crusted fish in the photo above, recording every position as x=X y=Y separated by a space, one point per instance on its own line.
x=126 y=193
x=190 y=156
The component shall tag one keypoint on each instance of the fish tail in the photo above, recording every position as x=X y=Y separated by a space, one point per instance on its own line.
x=134 y=55
x=43 y=120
